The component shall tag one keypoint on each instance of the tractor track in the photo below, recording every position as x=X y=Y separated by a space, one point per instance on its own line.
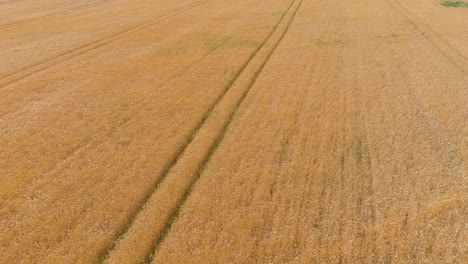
x=121 y=126
x=219 y=138
x=89 y=47
x=63 y=12
x=457 y=59
x=215 y=139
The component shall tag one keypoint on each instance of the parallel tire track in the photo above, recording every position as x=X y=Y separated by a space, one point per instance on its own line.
x=221 y=135
x=63 y=12
x=86 y=48
x=458 y=59
x=192 y=158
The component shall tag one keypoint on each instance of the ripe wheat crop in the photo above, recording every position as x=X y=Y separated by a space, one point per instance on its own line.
x=224 y=131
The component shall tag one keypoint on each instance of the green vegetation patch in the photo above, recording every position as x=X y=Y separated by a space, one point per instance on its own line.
x=454 y=4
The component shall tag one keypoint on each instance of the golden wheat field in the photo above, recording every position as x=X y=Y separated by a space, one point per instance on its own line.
x=233 y=131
